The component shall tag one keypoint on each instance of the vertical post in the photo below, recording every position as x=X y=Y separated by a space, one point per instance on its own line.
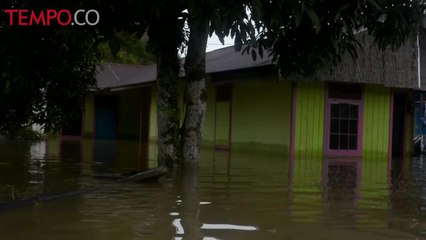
x=422 y=118
x=140 y=92
x=419 y=79
x=390 y=136
x=293 y=131
x=215 y=120
x=230 y=118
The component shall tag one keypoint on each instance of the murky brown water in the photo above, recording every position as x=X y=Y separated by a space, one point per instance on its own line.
x=242 y=196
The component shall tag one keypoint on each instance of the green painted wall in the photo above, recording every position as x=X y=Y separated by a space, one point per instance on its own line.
x=129 y=114
x=309 y=141
x=153 y=133
x=223 y=122
x=257 y=107
x=261 y=115
x=153 y=115
x=309 y=129
x=88 y=114
x=208 y=131
x=374 y=181
x=376 y=122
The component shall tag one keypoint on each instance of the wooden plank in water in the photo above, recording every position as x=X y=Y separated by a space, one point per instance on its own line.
x=152 y=173
x=108 y=176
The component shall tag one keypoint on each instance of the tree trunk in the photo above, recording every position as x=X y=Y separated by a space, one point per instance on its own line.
x=190 y=210
x=165 y=42
x=167 y=108
x=195 y=91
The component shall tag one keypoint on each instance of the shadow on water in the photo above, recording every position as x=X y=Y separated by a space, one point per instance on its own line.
x=15 y=176
x=234 y=195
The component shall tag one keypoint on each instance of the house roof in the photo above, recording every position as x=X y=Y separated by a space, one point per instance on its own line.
x=389 y=68
x=397 y=68
x=111 y=75
x=227 y=59
x=114 y=75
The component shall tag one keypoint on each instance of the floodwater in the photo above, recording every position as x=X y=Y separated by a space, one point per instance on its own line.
x=233 y=196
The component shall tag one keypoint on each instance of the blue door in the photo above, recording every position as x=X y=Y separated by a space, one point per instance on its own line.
x=106 y=124
x=106 y=127
x=106 y=118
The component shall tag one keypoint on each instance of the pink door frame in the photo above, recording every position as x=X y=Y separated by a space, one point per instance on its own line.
x=405 y=129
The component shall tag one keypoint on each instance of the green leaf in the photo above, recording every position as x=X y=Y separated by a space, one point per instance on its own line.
x=114 y=46
x=344 y=7
x=314 y=18
x=298 y=20
x=375 y=4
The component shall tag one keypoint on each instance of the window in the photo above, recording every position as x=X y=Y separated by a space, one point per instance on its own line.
x=343 y=121
x=344 y=126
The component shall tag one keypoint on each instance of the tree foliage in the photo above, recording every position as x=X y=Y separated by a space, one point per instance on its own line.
x=305 y=36
x=47 y=70
x=126 y=49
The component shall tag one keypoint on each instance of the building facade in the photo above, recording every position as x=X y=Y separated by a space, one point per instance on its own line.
x=362 y=111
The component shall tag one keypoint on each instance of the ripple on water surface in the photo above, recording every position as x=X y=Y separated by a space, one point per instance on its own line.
x=241 y=196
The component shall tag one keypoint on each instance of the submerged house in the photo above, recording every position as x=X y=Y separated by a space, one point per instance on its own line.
x=360 y=112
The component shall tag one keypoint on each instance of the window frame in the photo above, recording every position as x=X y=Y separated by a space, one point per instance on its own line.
x=341 y=152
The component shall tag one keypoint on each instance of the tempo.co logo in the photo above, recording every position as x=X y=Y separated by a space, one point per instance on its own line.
x=63 y=17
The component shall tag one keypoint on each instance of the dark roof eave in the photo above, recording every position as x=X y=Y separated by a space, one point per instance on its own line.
x=125 y=87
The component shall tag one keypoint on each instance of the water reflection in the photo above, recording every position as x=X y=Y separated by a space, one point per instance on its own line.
x=105 y=155
x=14 y=174
x=341 y=180
x=190 y=205
x=234 y=195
